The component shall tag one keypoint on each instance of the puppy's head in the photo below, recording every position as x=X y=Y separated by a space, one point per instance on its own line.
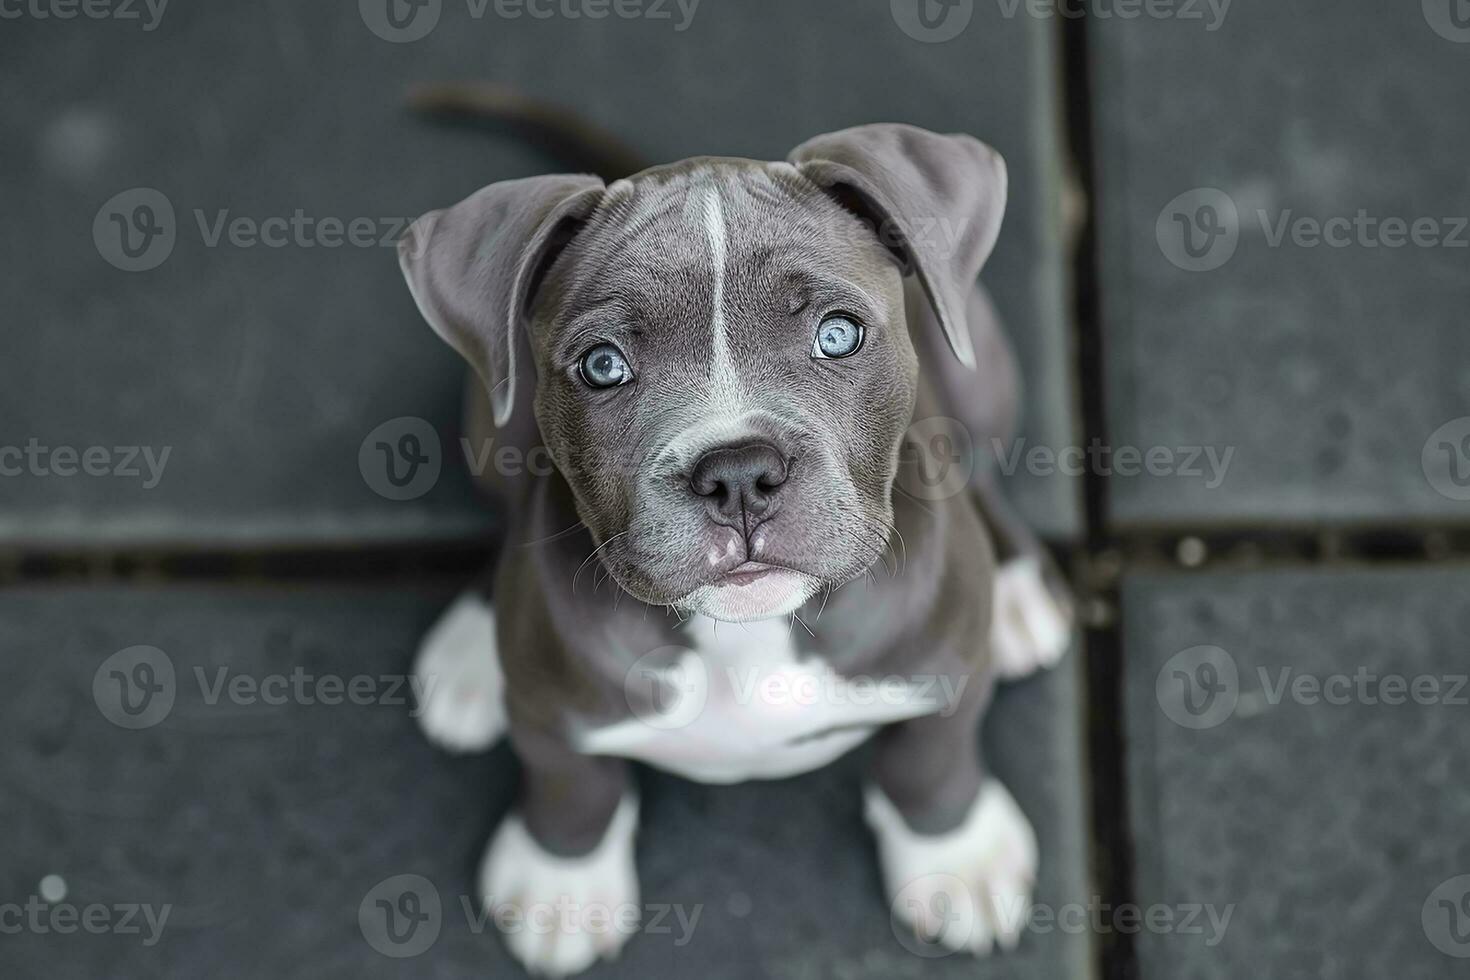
x=720 y=363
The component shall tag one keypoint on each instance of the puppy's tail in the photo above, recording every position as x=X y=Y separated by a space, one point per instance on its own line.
x=580 y=144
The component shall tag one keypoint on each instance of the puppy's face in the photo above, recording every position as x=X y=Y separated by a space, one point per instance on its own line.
x=724 y=377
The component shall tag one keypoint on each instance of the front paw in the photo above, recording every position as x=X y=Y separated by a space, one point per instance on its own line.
x=458 y=680
x=1031 y=624
x=968 y=889
x=560 y=915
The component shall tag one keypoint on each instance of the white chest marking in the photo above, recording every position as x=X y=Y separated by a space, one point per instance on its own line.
x=745 y=704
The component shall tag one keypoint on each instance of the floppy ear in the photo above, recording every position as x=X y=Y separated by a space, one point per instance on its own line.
x=473 y=268
x=935 y=200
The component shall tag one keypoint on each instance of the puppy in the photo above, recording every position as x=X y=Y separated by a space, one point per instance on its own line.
x=738 y=559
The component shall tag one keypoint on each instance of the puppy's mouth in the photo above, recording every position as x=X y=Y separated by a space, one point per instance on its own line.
x=748 y=573
x=751 y=591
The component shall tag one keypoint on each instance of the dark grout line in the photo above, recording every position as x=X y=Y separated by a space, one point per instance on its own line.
x=1096 y=567
x=415 y=562
x=1112 y=851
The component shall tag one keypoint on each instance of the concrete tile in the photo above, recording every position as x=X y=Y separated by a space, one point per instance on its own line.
x=1328 y=365
x=264 y=370
x=265 y=827
x=1290 y=788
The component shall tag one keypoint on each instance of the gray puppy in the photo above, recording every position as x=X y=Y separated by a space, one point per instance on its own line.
x=742 y=557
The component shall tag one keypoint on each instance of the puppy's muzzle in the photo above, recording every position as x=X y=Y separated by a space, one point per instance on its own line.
x=741 y=484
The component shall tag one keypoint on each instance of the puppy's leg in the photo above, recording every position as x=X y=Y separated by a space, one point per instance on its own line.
x=1031 y=626
x=957 y=854
x=457 y=677
x=558 y=877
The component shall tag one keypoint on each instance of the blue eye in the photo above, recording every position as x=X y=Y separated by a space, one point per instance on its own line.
x=604 y=366
x=838 y=336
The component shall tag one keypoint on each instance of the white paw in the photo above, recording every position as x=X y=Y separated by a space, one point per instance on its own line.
x=560 y=915
x=458 y=680
x=1030 y=628
x=969 y=889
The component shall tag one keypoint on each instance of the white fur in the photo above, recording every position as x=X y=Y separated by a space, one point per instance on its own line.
x=564 y=912
x=725 y=390
x=1030 y=629
x=968 y=889
x=752 y=707
x=459 y=670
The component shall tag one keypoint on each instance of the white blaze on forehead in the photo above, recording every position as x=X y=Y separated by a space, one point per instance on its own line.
x=724 y=396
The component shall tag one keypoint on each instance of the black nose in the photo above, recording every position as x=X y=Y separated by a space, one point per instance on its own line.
x=739 y=479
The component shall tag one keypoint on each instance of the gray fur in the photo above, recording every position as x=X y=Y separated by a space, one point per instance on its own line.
x=525 y=276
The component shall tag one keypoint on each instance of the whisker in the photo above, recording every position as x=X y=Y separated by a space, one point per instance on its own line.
x=919 y=502
x=804 y=626
x=591 y=555
x=554 y=537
